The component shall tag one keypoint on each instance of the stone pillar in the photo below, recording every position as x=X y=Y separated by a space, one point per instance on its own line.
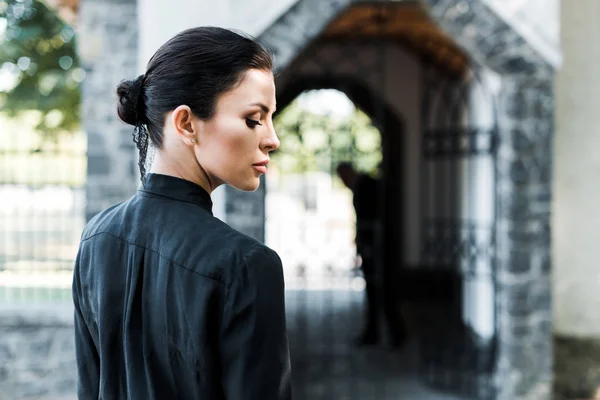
x=245 y=211
x=524 y=365
x=576 y=215
x=107 y=46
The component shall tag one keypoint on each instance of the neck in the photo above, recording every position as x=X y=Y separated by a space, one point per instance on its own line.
x=350 y=182
x=165 y=165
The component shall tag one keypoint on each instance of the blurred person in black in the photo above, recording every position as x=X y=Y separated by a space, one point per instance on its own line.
x=366 y=195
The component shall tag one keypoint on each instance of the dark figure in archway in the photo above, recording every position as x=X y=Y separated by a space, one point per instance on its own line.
x=365 y=190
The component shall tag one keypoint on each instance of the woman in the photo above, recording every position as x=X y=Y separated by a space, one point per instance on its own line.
x=171 y=303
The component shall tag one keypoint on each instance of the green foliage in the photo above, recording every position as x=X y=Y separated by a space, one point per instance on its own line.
x=39 y=69
x=315 y=142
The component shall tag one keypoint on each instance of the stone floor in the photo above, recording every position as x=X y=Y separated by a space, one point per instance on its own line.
x=321 y=324
x=325 y=365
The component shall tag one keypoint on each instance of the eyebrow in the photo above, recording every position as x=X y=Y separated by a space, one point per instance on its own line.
x=262 y=106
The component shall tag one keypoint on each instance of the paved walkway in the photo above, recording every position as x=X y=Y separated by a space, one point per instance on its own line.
x=325 y=365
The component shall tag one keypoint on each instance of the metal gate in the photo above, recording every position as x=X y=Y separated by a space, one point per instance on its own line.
x=458 y=190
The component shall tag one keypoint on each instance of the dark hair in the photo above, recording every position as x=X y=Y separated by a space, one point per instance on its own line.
x=344 y=166
x=193 y=68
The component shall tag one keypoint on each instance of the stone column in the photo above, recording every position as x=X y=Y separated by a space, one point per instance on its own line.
x=245 y=211
x=524 y=365
x=107 y=45
x=576 y=214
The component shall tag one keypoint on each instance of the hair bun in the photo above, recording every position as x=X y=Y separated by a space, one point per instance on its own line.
x=131 y=101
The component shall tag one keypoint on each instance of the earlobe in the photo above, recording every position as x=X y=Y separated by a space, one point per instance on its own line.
x=197 y=127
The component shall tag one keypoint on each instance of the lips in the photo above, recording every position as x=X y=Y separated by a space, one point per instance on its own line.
x=261 y=166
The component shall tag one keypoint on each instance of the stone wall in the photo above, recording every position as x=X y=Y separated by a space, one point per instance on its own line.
x=37 y=358
x=523 y=255
x=107 y=45
x=537 y=21
x=524 y=161
x=37 y=353
x=245 y=211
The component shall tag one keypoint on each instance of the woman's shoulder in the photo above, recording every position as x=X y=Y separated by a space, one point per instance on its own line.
x=260 y=266
x=106 y=220
x=218 y=245
x=245 y=247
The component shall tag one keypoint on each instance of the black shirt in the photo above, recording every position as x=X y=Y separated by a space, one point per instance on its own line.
x=172 y=303
x=365 y=201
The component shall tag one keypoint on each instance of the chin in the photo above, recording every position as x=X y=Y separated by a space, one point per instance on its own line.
x=247 y=186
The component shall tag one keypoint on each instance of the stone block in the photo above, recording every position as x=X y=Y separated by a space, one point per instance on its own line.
x=37 y=355
x=108 y=47
x=99 y=164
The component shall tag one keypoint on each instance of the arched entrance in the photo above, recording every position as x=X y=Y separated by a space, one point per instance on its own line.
x=391 y=127
x=324 y=313
x=512 y=252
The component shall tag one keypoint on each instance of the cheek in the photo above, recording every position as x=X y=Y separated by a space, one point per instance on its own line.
x=235 y=144
x=232 y=143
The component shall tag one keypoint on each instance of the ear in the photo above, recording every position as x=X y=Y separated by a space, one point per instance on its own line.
x=184 y=122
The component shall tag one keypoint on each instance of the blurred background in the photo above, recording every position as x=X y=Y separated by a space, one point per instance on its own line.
x=475 y=118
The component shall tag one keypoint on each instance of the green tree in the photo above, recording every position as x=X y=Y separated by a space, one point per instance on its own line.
x=316 y=142
x=39 y=69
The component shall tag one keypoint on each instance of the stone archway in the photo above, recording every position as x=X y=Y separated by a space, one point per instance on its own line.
x=523 y=367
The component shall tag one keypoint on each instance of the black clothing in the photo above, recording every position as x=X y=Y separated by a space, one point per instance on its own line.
x=366 y=195
x=366 y=206
x=171 y=303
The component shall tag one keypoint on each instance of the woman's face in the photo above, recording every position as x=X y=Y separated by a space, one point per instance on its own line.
x=233 y=147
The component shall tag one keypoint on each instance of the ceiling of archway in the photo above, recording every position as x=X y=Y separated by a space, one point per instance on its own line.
x=405 y=23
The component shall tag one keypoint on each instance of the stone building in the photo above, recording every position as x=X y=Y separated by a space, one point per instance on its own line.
x=463 y=92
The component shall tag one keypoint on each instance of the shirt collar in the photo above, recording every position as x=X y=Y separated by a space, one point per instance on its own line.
x=177 y=189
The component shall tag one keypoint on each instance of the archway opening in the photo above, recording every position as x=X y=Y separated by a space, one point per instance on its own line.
x=311 y=223
x=419 y=89
x=310 y=219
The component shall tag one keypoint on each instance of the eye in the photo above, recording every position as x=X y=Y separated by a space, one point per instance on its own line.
x=252 y=123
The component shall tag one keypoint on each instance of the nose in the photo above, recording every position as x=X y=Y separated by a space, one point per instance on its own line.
x=270 y=141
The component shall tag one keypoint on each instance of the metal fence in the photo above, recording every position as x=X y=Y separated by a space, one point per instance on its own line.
x=42 y=202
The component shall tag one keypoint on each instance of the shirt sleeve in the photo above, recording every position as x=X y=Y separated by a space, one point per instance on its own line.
x=254 y=347
x=88 y=360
